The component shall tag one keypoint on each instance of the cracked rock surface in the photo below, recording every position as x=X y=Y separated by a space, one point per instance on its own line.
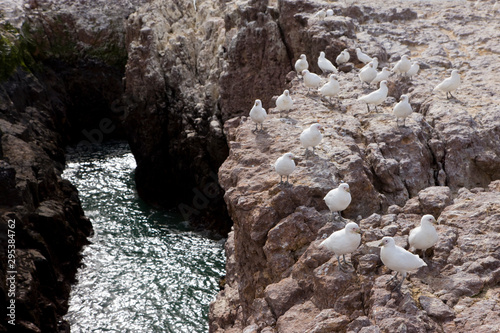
x=445 y=162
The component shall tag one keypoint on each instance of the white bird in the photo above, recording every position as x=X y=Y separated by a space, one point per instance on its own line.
x=424 y=236
x=376 y=97
x=325 y=65
x=284 y=102
x=374 y=62
x=402 y=66
x=367 y=74
x=382 y=75
x=343 y=57
x=329 y=12
x=331 y=88
x=344 y=241
x=450 y=84
x=338 y=199
x=301 y=64
x=415 y=67
x=311 y=137
x=311 y=80
x=284 y=166
x=258 y=115
x=403 y=109
x=363 y=57
x=321 y=14
x=398 y=259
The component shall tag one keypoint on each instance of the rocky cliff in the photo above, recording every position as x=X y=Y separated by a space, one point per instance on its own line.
x=445 y=162
x=192 y=71
x=59 y=81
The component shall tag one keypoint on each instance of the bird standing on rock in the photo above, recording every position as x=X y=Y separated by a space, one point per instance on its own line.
x=398 y=259
x=363 y=57
x=450 y=84
x=284 y=102
x=424 y=236
x=367 y=74
x=376 y=97
x=402 y=109
x=301 y=64
x=415 y=67
x=258 y=115
x=343 y=57
x=331 y=88
x=381 y=76
x=284 y=166
x=402 y=66
x=311 y=137
x=311 y=80
x=325 y=65
x=338 y=199
x=342 y=242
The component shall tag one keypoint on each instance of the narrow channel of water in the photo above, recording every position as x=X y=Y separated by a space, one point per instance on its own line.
x=145 y=270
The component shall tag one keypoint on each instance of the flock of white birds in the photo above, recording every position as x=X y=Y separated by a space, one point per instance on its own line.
x=348 y=239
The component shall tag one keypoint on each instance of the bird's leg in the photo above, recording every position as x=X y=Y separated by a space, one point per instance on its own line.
x=341 y=267
x=398 y=286
x=404 y=122
x=287 y=183
x=451 y=96
x=447 y=95
x=314 y=152
x=262 y=127
x=346 y=262
x=376 y=110
x=256 y=128
x=423 y=254
x=368 y=107
x=392 y=278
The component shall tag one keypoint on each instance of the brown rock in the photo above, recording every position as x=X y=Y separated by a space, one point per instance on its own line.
x=436 y=308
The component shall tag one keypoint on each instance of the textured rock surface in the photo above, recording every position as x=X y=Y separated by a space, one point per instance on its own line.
x=50 y=227
x=445 y=162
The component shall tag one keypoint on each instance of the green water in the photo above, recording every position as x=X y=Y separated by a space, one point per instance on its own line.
x=145 y=270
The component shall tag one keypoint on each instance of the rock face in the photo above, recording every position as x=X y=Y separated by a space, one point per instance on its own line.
x=60 y=79
x=40 y=213
x=445 y=162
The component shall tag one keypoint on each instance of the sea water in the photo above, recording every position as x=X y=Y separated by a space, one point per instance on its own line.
x=145 y=270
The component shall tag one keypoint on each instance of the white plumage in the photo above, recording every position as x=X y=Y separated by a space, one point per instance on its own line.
x=402 y=110
x=415 y=67
x=338 y=199
x=376 y=97
x=424 y=236
x=343 y=241
x=311 y=80
x=258 y=114
x=374 y=62
x=329 y=12
x=301 y=64
x=343 y=57
x=450 y=84
x=382 y=75
x=321 y=14
x=284 y=166
x=363 y=57
x=367 y=74
x=398 y=259
x=311 y=137
x=403 y=65
x=325 y=65
x=284 y=102
x=331 y=88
